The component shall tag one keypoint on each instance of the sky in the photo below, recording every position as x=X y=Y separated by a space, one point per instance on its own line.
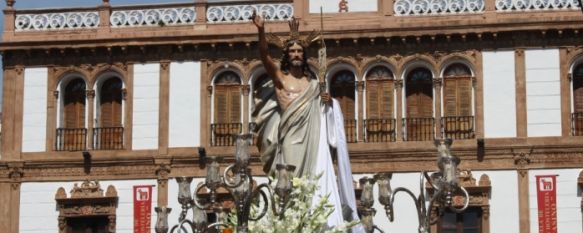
x=40 y=4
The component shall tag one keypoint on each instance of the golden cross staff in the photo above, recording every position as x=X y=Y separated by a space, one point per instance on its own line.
x=322 y=55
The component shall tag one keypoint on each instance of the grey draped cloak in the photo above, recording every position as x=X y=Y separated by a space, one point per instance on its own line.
x=289 y=137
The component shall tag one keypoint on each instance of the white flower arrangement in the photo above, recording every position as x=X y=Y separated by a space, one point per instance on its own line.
x=300 y=215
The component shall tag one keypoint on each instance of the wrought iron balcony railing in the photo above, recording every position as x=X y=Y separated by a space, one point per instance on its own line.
x=223 y=134
x=379 y=130
x=350 y=130
x=108 y=138
x=458 y=127
x=71 y=139
x=419 y=129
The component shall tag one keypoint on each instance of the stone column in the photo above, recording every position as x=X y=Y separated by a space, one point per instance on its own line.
x=360 y=123
x=437 y=84
x=90 y=118
x=399 y=123
x=245 y=90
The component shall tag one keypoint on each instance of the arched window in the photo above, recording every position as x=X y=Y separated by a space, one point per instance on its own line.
x=419 y=113
x=577 y=116
x=72 y=133
x=380 y=122
x=109 y=133
x=458 y=119
x=342 y=89
x=227 y=108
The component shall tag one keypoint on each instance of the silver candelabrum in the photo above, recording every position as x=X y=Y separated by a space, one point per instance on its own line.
x=444 y=182
x=238 y=181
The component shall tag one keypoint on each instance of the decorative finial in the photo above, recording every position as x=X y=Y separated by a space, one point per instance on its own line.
x=10 y=3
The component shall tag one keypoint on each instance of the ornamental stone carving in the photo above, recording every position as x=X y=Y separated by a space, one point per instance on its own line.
x=242 y=13
x=86 y=200
x=87 y=189
x=536 y=5
x=57 y=21
x=153 y=17
x=437 y=7
x=521 y=159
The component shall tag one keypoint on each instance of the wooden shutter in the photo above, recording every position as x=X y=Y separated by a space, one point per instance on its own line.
x=379 y=96
x=464 y=89
x=110 y=103
x=420 y=100
x=221 y=104
x=234 y=104
x=386 y=100
x=578 y=94
x=450 y=97
x=74 y=104
x=457 y=96
x=372 y=98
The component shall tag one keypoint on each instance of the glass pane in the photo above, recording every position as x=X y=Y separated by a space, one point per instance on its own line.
x=470 y=219
x=448 y=222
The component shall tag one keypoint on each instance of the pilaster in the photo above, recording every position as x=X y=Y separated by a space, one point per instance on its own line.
x=164 y=102
x=520 y=80
x=565 y=87
x=162 y=177
x=522 y=160
x=12 y=112
x=129 y=108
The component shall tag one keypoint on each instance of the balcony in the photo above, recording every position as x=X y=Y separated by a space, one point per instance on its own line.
x=224 y=134
x=71 y=139
x=419 y=129
x=224 y=19
x=108 y=138
x=379 y=130
x=577 y=124
x=458 y=127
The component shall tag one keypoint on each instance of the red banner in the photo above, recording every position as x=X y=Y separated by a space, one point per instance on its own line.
x=142 y=208
x=546 y=194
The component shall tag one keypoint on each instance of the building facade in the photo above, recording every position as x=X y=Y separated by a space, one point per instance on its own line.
x=119 y=96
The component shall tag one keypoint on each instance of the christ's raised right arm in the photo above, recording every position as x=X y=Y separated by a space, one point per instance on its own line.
x=268 y=63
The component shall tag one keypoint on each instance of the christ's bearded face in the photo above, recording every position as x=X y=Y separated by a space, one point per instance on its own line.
x=296 y=54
